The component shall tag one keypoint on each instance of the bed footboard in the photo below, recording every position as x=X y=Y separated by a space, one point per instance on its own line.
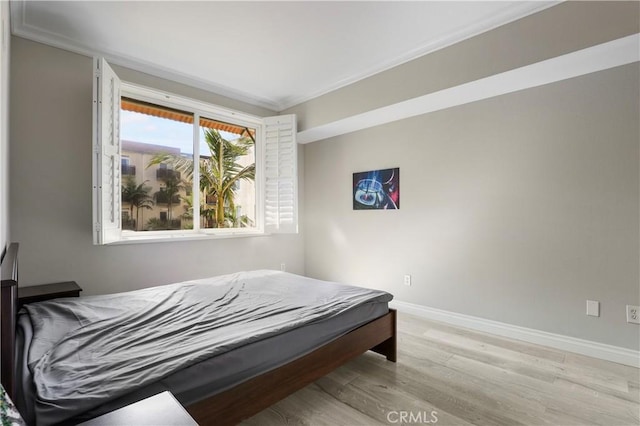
x=230 y=407
x=389 y=347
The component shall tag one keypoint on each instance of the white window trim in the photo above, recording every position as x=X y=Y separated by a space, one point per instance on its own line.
x=215 y=112
x=147 y=237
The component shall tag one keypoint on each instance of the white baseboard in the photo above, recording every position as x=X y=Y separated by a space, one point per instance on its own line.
x=557 y=341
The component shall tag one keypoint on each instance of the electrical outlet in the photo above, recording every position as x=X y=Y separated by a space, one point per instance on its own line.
x=593 y=308
x=283 y=267
x=407 y=280
x=633 y=314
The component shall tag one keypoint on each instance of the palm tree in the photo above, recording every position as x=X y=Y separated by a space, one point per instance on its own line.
x=218 y=173
x=187 y=216
x=172 y=187
x=137 y=196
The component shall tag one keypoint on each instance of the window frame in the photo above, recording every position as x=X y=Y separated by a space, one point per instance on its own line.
x=202 y=109
x=263 y=226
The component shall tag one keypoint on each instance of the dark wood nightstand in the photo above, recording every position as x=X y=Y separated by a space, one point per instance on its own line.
x=39 y=293
x=161 y=409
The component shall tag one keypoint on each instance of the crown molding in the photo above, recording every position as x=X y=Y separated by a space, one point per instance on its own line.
x=593 y=59
x=519 y=11
x=22 y=29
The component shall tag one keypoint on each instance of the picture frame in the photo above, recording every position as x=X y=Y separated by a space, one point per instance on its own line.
x=377 y=190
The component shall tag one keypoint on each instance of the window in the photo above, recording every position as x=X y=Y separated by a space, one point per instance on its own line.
x=187 y=169
x=127 y=168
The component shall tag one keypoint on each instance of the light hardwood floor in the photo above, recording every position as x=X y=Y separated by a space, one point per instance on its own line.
x=465 y=377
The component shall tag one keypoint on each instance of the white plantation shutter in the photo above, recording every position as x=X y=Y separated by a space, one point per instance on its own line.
x=106 y=154
x=281 y=175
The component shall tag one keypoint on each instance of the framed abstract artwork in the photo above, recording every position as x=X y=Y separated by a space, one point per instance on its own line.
x=377 y=190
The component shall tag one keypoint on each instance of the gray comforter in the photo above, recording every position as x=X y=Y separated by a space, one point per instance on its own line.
x=87 y=351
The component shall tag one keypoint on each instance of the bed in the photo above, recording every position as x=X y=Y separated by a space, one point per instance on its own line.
x=261 y=360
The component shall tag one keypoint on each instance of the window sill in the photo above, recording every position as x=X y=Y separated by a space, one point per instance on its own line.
x=162 y=237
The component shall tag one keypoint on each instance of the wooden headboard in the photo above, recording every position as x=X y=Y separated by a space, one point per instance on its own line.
x=8 y=314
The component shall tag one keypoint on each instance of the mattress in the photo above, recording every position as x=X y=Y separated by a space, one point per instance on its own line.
x=266 y=319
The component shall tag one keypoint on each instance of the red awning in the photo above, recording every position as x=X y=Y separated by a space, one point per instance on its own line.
x=141 y=107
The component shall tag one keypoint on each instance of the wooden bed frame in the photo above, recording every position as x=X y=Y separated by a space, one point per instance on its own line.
x=244 y=400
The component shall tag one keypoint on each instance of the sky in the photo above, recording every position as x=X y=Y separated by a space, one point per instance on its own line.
x=145 y=128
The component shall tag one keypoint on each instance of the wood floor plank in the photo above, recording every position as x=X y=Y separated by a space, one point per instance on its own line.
x=634 y=390
x=311 y=406
x=427 y=390
x=511 y=344
x=471 y=389
x=626 y=371
x=410 y=345
x=385 y=403
x=467 y=377
x=523 y=386
x=562 y=418
x=573 y=385
x=592 y=414
x=598 y=376
x=544 y=395
x=499 y=360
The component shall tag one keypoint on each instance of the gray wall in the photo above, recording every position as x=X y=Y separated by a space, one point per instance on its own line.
x=4 y=128
x=516 y=209
x=561 y=29
x=50 y=201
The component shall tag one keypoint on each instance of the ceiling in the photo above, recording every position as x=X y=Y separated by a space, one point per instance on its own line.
x=271 y=54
